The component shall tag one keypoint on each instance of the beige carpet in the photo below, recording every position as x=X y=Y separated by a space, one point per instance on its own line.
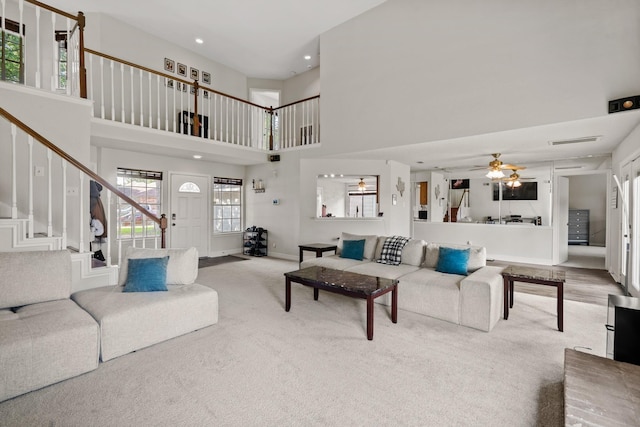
x=262 y=366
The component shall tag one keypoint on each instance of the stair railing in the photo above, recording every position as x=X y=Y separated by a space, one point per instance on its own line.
x=84 y=171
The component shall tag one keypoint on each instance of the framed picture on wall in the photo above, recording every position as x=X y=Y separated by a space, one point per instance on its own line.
x=182 y=70
x=206 y=77
x=170 y=84
x=169 y=65
x=195 y=73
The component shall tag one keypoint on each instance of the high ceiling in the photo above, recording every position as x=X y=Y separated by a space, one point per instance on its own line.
x=262 y=39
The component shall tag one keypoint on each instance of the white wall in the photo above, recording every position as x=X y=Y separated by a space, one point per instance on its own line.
x=108 y=160
x=590 y=192
x=459 y=68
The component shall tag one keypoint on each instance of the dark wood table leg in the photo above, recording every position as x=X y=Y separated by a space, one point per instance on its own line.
x=561 y=306
x=369 y=317
x=511 y=293
x=301 y=257
x=318 y=253
x=287 y=294
x=394 y=304
x=506 y=297
x=315 y=294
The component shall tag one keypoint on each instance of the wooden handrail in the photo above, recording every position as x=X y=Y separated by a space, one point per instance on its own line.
x=52 y=9
x=296 y=102
x=162 y=221
x=170 y=77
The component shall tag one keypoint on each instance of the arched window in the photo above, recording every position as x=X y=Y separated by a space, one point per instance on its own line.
x=189 y=187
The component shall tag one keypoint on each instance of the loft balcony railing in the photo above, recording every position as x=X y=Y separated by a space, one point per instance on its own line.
x=130 y=93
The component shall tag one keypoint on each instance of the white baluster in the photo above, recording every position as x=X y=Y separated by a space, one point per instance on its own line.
x=64 y=203
x=166 y=104
x=108 y=221
x=133 y=110
x=73 y=72
x=23 y=38
x=90 y=82
x=150 y=103
x=55 y=74
x=183 y=125
x=30 y=174
x=122 y=113
x=295 y=129
x=14 y=172
x=38 y=73
x=226 y=130
x=81 y=215
x=141 y=102
x=209 y=122
x=158 y=100
x=49 y=194
x=175 y=84
x=215 y=116
x=102 y=87
x=113 y=96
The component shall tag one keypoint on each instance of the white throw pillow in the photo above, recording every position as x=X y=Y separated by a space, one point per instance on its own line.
x=182 y=268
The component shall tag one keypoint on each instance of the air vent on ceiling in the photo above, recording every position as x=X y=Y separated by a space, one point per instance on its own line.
x=576 y=140
x=568 y=167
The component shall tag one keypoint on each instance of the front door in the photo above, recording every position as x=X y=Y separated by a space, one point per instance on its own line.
x=189 y=212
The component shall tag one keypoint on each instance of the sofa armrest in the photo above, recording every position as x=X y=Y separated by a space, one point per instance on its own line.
x=481 y=298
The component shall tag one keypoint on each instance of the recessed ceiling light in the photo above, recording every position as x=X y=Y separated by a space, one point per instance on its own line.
x=197 y=156
x=307 y=57
x=199 y=40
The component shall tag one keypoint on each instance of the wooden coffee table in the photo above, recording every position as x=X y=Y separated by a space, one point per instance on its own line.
x=345 y=283
x=539 y=276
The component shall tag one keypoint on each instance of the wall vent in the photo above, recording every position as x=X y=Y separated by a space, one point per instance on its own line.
x=576 y=140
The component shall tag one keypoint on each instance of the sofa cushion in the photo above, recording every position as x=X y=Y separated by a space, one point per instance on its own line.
x=382 y=270
x=45 y=343
x=146 y=275
x=34 y=276
x=131 y=321
x=353 y=249
x=477 y=255
x=182 y=268
x=369 y=245
x=391 y=252
x=333 y=261
x=453 y=261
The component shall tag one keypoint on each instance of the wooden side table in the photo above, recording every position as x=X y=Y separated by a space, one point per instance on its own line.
x=539 y=276
x=318 y=248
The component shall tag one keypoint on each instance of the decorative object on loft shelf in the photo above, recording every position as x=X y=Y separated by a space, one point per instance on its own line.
x=195 y=73
x=169 y=65
x=258 y=187
x=400 y=186
x=206 y=78
x=170 y=84
x=182 y=70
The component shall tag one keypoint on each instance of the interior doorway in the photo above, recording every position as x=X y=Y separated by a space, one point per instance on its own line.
x=587 y=194
x=261 y=121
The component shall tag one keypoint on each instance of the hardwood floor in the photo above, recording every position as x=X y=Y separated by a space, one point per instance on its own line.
x=582 y=284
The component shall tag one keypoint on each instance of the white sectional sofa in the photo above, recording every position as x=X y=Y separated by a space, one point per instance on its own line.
x=474 y=300
x=44 y=336
x=130 y=321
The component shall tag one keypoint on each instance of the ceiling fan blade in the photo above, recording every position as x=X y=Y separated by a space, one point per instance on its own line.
x=512 y=167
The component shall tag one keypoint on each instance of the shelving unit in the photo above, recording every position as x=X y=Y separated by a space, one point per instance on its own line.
x=255 y=242
x=578 y=226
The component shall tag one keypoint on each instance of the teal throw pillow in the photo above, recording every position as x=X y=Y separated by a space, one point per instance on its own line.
x=353 y=249
x=146 y=275
x=453 y=261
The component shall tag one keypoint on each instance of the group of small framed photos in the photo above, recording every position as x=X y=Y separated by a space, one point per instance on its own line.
x=181 y=70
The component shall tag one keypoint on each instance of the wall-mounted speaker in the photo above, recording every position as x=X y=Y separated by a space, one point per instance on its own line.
x=274 y=157
x=624 y=104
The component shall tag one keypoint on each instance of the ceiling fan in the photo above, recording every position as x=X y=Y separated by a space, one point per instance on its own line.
x=496 y=167
x=514 y=180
